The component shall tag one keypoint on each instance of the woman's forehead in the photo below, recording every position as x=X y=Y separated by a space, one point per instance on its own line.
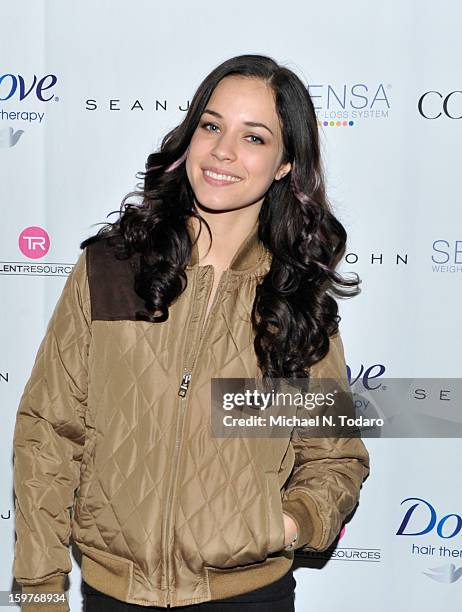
x=250 y=98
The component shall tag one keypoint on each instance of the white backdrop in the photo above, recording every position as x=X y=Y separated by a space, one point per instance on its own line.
x=390 y=73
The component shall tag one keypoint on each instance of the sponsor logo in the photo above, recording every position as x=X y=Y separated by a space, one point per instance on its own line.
x=34 y=242
x=438 y=105
x=369 y=555
x=422 y=519
x=446 y=256
x=345 y=104
x=335 y=105
x=377 y=259
x=19 y=89
x=367 y=376
x=447 y=574
x=19 y=268
x=341 y=553
x=9 y=137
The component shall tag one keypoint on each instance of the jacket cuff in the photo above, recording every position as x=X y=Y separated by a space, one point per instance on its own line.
x=305 y=514
x=55 y=584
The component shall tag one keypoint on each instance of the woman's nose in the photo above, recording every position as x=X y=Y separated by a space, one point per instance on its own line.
x=224 y=148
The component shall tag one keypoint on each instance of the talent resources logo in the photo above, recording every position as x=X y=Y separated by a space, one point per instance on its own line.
x=447 y=256
x=435 y=104
x=423 y=519
x=18 y=89
x=34 y=243
x=340 y=553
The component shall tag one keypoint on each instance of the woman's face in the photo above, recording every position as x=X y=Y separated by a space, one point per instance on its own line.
x=224 y=143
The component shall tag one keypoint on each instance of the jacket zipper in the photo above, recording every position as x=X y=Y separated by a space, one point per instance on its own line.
x=187 y=373
x=182 y=392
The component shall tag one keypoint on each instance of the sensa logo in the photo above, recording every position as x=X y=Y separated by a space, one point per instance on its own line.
x=17 y=87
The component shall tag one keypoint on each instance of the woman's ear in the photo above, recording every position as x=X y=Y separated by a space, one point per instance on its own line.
x=283 y=170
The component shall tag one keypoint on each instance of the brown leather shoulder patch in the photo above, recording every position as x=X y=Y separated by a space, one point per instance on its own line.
x=111 y=282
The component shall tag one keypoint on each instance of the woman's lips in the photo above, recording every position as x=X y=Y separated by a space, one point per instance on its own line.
x=218 y=183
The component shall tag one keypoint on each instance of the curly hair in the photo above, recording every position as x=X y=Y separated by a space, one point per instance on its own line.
x=294 y=311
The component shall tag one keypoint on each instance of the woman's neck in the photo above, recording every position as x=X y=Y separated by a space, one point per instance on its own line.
x=228 y=230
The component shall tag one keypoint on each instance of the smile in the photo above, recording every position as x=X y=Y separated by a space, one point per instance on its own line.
x=219 y=179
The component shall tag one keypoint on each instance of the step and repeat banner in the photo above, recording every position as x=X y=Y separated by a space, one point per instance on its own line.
x=88 y=90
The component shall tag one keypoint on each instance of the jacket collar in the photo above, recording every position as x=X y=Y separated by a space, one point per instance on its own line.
x=249 y=257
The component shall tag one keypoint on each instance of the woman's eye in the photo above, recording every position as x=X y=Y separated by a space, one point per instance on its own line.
x=206 y=126
x=260 y=141
x=210 y=128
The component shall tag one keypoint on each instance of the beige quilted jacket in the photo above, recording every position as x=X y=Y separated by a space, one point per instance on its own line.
x=112 y=446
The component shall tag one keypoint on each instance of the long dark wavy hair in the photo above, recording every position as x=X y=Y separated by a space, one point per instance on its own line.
x=294 y=310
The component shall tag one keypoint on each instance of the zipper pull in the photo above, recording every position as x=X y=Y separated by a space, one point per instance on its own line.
x=184 y=384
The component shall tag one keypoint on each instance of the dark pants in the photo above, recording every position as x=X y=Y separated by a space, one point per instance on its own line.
x=275 y=597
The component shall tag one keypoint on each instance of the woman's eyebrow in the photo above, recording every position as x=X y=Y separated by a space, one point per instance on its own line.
x=250 y=123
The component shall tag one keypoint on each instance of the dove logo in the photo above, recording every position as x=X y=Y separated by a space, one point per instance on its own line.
x=34 y=242
x=9 y=137
x=426 y=519
x=447 y=574
x=15 y=86
x=366 y=375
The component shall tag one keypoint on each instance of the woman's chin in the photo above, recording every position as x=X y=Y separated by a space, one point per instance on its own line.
x=213 y=206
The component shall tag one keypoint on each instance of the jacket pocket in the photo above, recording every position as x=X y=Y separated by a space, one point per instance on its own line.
x=86 y=467
x=276 y=531
x=230 y=527
x=87 y=476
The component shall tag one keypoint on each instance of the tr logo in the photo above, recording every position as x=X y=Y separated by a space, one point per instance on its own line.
x=34 y=242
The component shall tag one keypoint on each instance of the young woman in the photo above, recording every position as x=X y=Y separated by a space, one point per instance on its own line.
x=113 y=440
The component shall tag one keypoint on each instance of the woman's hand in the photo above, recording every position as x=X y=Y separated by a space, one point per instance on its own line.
x=290 y=529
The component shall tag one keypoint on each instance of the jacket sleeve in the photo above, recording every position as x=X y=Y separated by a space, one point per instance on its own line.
x=48 y=441
x=328 y=471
